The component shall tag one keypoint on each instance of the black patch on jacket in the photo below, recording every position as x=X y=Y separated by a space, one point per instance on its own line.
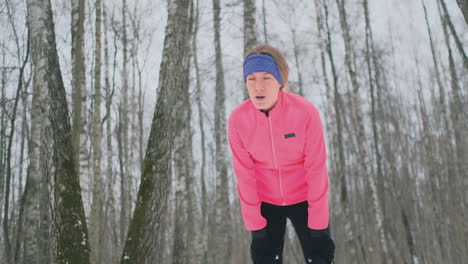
x=289 y=135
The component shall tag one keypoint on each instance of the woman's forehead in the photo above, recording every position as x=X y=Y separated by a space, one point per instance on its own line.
x=260 y=73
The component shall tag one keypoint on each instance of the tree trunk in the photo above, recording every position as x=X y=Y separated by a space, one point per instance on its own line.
x=375 y=134
x=79 y=87
x=202 y=246
x=72 y=240
x=250 y=34
x=296 y=61
x=34 y=188
x=221 y=248
x=184 y=233
x=463 y=4
x=96 y=209
x=2 y=129
x=458 y=43
x=125 y=188
x=265 y=33
x=144 y=227
x=186 y=229
x=6 y=225
x=436 y=203
x=24 y=137
x=457 y=180
x=340 y=165
x=442 y=118
x=111 y=237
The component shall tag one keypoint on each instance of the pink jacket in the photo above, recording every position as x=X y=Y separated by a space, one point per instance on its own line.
x=280 y=159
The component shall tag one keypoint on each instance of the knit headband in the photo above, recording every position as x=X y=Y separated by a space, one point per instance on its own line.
x=261 y=63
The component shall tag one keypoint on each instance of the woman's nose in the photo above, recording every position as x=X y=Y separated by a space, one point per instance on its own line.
x=258 y=85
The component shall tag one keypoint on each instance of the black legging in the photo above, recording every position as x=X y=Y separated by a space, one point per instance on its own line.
x=271 y=250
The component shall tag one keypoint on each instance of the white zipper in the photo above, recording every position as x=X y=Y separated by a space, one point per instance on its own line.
x=274 y=159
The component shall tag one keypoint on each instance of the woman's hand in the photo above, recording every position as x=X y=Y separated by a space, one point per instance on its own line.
x=261 y=248
x=322 y=245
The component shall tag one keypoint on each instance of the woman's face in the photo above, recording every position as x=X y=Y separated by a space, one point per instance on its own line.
x=263 y=89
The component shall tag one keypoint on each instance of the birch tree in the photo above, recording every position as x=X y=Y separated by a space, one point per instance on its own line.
x=96 y=208
x=8 y=249
x=220 y=248
x=79 y=86
x=153 y=190
x=458 y=124
x=250 y=34
x=184 y=232
x=463 y=4
x=449 y=23
x=186 y=228
x=125 y=177
x=36 y=183
x=72 y=234
x=110 y=217
x=337 y=138
x=203 y=246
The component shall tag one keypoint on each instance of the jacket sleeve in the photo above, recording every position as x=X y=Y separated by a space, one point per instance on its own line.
x=244 y=169
x=316 y=173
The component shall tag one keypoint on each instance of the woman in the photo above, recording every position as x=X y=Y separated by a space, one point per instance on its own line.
x=279 y=160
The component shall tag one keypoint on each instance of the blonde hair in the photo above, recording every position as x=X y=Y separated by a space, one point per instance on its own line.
x=283 y=67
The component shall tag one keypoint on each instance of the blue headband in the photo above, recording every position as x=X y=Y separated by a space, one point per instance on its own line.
x=261 y=63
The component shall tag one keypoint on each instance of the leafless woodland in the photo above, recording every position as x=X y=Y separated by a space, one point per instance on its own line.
x=113 y=116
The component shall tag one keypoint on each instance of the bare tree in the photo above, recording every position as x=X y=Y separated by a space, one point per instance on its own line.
x=203 y=245
x=72 y=240
x=185 y=224
x=24 y=138
x=96 y=236
x=250 y=33
x=463 y=4
x=459 y=125
x=125 y=177
x=144 y=227
x=6 y=227
x=36 y=183
x=265 y=33
x=428 y=142
x=184 y=233
x=110 y=221
x=450 y=25
x=79 y=86
x=219 y=246
x=375 y=88
x=351 y=239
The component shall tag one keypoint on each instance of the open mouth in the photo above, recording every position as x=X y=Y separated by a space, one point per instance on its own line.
x=260 y=97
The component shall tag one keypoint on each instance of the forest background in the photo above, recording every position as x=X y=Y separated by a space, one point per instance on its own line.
x=113 y=126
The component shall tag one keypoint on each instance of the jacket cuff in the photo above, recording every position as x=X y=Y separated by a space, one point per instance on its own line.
x=318 y=216
x=320 y=232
